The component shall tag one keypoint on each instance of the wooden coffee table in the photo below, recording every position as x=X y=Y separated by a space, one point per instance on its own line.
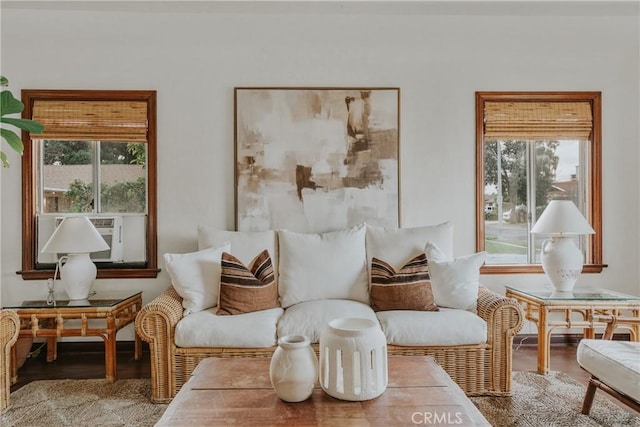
x=237 y=391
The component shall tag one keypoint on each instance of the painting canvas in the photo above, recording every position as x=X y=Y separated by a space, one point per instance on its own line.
x=316 y=159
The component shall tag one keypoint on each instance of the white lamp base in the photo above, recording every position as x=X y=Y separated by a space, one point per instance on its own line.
x=562 y=262
x=77 y=275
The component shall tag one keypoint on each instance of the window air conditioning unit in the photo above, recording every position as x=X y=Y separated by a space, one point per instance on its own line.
x=110 y=228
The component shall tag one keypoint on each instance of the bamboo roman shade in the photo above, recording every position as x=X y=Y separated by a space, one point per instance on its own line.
x=537 y=120
x=92 y=120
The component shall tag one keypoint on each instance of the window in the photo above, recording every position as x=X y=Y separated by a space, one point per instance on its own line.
x=95 y=157
x=531 y=148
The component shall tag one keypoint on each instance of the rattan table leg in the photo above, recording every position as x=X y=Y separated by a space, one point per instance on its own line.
x=110 y=351
x=589 y=332
x=52 y=349
x=137 y=341
x=544 y=338
x=635 y=329
x=137 y=347
x=13 y=359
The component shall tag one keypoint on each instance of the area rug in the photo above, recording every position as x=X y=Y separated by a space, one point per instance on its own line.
x=553 y=400
x=82 y=403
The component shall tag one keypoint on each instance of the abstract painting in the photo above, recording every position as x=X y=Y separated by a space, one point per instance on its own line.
x=316 y=159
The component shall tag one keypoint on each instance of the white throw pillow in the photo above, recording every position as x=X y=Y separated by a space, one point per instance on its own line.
x=331 y=265
x=455 y=283
x=245 y=245
x=397 y=246
x=196 y=277
x=434 y=253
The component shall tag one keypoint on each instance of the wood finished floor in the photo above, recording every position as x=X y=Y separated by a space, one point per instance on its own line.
x=76 y=362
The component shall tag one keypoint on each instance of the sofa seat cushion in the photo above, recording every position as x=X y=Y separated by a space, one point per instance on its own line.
x=615 y=363
x=248 y=330
x=431 y=328
x=311 y=317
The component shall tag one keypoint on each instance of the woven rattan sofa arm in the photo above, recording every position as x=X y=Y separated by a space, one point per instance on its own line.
x=503 y=315
x=156 y=324
x=504 y=318
x=9 y=329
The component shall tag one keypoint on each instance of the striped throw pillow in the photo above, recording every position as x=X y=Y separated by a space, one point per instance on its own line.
x=242 y=289
x=406 y=289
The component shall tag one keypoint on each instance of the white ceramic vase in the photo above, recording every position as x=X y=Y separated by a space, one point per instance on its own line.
x=294 y=368
x=353 y=359
x=77 y=274
x=562 y=262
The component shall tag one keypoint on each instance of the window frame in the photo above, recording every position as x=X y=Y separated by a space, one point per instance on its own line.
x=30 y=190
x=594 y=263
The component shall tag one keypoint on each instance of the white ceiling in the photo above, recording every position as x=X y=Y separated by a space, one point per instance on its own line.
x=411 y=7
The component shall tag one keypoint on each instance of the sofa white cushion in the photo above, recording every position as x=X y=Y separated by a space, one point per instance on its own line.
x=331 y=265
x=396 y=246
x=245 y=245
x=444 y=327
x=311 y=317
x=248 y=330
x=196 y=277
x=615 y=363
x=434 y=253
x=455 y=283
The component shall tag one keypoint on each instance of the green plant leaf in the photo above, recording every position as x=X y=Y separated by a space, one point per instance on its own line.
x=3 y=157
x=12 y=139
x=9 y=104
x=4 y=81
x=24 y=124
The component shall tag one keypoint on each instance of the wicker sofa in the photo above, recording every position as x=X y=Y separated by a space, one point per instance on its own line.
x=482 y=367
x=9 y=329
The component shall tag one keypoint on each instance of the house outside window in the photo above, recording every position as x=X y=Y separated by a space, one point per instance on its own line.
x=531 y=148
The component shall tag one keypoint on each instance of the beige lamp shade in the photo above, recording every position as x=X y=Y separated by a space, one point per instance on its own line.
x=75 y=235
x=562 y=217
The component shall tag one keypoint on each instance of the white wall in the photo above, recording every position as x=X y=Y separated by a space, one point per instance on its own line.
x=195 y=59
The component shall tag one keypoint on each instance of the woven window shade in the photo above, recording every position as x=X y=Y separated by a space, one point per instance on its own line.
x=92 y=120
x=537 y=120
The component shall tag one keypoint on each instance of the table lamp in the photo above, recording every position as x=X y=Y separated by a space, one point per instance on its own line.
x=76 y=237
x=562 y=260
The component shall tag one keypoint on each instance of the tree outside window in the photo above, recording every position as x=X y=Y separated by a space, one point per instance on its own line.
x=69 y=169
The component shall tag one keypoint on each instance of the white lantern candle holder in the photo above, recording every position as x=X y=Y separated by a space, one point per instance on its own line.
x=353 y=359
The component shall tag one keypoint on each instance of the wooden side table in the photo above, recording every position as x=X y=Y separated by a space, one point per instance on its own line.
x=575 y=309
x=115 y=309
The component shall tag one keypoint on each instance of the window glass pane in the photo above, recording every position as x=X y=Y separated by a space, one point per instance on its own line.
x=523 y=173
x=122 y=177
x=67 y=176
x=562 y=175
x=506 y=202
